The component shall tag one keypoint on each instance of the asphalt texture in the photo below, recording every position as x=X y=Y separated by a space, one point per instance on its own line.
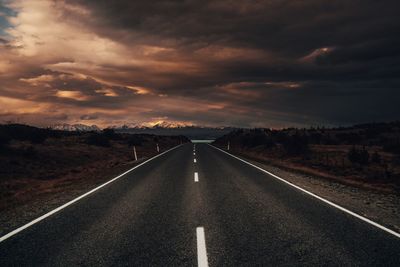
x=149 y=218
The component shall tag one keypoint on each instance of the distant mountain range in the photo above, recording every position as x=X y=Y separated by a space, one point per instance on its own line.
x=192 y=132
x=162 y=128
x=75 y=127
x=161 y=124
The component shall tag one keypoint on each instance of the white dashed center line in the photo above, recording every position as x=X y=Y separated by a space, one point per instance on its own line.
x=202 y=260
x=196 y=177
x=194 y=160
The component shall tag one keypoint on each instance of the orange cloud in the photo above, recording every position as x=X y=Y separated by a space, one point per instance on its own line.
x=75 y=95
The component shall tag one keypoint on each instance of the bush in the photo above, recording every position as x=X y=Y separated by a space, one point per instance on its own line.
x=110 y=134
x=358 y=156
x=353 y=155
x=135 y=140
x=364 y=157
x=4 y=139
x=392 y=146
x=29 y=152
x=296 y=145
x=257 y=139
x=25 y=133
x=37 y=137
x=97 y=139
x=376 y=158
x=349 y=138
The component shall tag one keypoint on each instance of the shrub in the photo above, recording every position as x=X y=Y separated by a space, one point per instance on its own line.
x=376 y=158
x=110 y=134
x=392 y=146
x=358 y=156
x=4 y=139
x=25 y=133
x=349 y=138
x=353 y=155
x=97 y=139
x=296 y=145
x=29 y=152
x=364 y=157
x=37 y=137
x=257 y=139
x=135 y=140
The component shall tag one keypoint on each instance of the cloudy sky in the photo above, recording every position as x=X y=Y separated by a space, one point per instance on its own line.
x=268 y=63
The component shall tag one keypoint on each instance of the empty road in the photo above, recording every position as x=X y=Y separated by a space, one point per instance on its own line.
x=200 y=207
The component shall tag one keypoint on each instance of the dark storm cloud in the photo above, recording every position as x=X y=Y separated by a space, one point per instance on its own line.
x=359 y=32
x=245 y=63
x=263 y=24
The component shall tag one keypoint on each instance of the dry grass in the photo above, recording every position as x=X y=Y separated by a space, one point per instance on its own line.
x=330 y=162
x=55 y=171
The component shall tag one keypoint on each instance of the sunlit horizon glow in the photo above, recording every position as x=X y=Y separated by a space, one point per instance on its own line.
x=211 y=63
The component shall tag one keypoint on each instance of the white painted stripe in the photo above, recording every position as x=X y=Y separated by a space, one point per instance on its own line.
x=194 y=160
x=202 y=260
x=194 y=153
x=16 y=231
x=317 y=197
x=196 y=177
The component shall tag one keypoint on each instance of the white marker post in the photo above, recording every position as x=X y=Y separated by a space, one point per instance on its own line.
x=229 y=144
x=134 y=152
x=158 y=148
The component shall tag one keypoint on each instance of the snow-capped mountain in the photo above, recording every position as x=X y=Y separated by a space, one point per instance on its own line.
x=150 y=125
x=75 y=127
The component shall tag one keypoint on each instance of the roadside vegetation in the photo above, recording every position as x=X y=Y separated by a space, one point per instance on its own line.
x=367 y=155
x=42 y=167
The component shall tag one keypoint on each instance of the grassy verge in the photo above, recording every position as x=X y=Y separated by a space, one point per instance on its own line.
x=40 y=173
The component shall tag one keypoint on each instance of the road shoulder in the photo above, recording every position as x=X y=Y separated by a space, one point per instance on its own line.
x=382 y=207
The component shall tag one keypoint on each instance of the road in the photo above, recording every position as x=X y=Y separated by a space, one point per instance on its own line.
x=217 y=211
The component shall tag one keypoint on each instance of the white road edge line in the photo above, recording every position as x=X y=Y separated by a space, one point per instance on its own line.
x=194 y=160
x=202 y=260
x=196 y=177
x=316 y=196
x=16 y=231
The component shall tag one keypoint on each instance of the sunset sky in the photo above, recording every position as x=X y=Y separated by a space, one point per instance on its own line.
x=267 y=63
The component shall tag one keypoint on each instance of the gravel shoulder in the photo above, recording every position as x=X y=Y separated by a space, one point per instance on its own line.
x=377 y=205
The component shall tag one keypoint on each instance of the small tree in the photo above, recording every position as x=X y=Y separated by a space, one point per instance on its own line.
x=296 y=145
x=364 y=157
x=109 y=133
x=358 y=156
x=135 y=140
x=353 y=155
x=376 y=158
x=98 y=140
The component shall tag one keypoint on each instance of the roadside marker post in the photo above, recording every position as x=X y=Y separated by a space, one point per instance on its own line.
x=134 y=152
x=158 y=148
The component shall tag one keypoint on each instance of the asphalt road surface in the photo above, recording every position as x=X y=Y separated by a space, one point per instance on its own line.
x=187 y=208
